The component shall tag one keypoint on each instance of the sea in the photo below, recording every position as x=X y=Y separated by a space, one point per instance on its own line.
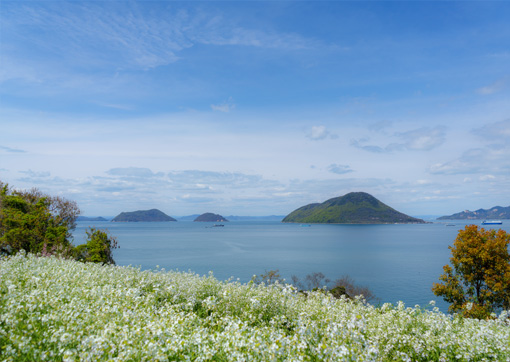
x=397 y=262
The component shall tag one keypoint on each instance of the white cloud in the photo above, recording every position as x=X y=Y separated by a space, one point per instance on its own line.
x=339 y=169
x=318 y=133
x=225 y=107
x=78 y=31
x=496 y=132
x=495 y=87
x=76 y=36
x=132 y=172
x=34 y=174
x=421 y=139
x=487 y=178
x=223 y=33
x=476 y=161
x=470 y=162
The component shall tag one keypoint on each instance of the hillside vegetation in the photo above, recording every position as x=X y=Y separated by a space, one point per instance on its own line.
x=153 y=215
x=210 y=217
x=353 y=208
x=55 y=309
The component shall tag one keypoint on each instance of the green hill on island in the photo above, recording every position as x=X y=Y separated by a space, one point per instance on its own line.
x=210 y=217
x=497 y=212
x=353 y=208
x=153 y=215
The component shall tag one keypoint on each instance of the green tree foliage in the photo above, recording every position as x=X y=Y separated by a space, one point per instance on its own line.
x=98 y=248
x=478 y=281
x=41 y=224
x=33 y=221
x=353 y=208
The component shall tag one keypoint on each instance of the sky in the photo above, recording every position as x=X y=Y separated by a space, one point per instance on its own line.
x=256 y=107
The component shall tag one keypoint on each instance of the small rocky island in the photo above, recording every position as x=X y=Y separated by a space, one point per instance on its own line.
x=153 y=215
x=496 y=212
x=210 y=217
x=353 y=208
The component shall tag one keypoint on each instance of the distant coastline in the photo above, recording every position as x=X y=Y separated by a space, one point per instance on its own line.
x=92 y=218
x=496 y=212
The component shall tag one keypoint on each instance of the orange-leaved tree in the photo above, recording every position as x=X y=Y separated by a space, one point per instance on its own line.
x=478 y=282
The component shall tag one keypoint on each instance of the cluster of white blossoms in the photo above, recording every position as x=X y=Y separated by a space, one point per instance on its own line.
x=54 y=309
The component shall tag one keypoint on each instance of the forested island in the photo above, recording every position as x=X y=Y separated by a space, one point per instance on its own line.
x=496 y=212
x=352 y=208
x=210 y=217
x=153 y=215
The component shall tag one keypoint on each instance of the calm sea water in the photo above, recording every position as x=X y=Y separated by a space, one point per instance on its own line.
x=397 y=262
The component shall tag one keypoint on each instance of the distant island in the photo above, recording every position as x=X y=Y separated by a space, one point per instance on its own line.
x=86 y=218
x=237 y=218
x=210 y=217
x=256 y=218
x=353 y=208
x=188 y=217
x=153 y=215
x=497 y=212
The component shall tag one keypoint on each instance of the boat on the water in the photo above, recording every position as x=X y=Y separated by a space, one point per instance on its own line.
x=492 y=222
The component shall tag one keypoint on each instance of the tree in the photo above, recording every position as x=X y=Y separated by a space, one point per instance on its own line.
x=43 y=225
x=98 y=248
x=342 y=286
x=478 y=282
x=33 y=221
x=313 y=281
x=352 y=289
x=268 y=277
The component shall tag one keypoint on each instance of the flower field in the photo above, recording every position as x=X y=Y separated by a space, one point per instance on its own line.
x=54 y=309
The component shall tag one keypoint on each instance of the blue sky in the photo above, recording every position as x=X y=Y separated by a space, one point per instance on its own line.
x=254 y=107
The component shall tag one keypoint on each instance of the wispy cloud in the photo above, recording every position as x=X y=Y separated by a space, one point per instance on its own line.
x=497 y=132
x=122 y=107
x=197 y=200
x=256 y=38
x=493 y=158
x=487 y=178
x=11 y=150
x=475 y=162
x=339 y=169
x=33 y=174
x=224 y=107
x=216 y=179
x=318 y=133
x=492 y=88
x=76 y=35
x=380 y=126
x=138 y=172
x=421 y=139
